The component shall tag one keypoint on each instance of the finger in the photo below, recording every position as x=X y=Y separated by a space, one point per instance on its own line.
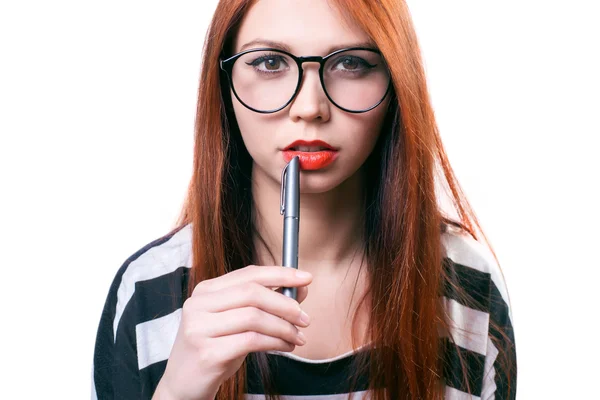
x=245 y=319
x=301 y=295
x=268 y=276
x=241 y=344
x=249 y=294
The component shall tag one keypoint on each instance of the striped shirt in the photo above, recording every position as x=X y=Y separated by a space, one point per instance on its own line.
x=143 y=308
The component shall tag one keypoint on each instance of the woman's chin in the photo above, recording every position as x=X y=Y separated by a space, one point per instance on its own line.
x=318 y=183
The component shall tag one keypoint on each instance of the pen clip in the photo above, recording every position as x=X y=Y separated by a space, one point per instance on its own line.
x=281 y=201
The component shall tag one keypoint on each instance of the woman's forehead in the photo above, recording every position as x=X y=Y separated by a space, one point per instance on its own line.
x=303 y=26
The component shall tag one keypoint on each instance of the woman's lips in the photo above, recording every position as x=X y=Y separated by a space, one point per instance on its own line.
x=311 y=160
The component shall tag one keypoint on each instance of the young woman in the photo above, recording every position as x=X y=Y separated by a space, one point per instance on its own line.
x=395 y=300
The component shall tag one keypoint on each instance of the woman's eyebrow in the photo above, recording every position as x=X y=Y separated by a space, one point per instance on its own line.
x=285 y=47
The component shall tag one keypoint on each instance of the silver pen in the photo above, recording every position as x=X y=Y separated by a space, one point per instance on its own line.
x=290 y=209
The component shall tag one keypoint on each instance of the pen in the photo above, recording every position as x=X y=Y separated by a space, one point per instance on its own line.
x=290 y=209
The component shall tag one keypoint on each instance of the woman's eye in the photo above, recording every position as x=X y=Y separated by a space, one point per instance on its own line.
x=271 y=63
x=349 y=63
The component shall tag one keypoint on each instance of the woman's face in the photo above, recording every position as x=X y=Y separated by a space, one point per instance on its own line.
x=308 y=28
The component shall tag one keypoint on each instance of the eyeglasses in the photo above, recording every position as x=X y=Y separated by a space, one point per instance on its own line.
x=266 y=80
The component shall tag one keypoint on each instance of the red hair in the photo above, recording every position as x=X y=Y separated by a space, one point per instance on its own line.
x=403 y=218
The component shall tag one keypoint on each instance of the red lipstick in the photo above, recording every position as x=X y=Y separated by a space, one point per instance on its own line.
x=313 y=155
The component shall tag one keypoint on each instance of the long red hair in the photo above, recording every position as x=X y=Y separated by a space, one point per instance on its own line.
x=403 y=218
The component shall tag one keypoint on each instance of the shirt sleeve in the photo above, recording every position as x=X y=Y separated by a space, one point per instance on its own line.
x=480 y=353
x=500 y=368
x=115 y=368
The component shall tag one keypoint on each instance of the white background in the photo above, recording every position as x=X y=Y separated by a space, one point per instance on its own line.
x=97 y=105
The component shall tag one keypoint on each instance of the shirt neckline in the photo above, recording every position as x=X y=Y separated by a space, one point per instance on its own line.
x=318 y=361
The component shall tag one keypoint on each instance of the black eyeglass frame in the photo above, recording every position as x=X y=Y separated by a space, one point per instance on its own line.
x=227 y=66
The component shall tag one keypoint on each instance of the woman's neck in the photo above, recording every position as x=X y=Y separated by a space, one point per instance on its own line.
x=331 y=224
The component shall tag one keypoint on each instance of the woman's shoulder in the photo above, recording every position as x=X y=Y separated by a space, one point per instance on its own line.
x=465 y=255
x=141 y=314
x=479 y=317
x=462 y=247
x=474 y=282
x=154 y=276
x=161 y=256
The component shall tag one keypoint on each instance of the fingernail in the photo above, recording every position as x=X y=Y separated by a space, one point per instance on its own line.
x=303 y=274
x=301 y=337
x=304 y=317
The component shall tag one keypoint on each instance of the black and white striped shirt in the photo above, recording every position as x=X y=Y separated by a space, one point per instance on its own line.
x=143 y=308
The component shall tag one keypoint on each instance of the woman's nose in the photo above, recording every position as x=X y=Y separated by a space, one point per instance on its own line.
x=311 y=101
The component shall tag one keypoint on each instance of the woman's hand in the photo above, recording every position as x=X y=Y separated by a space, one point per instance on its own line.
x=225 y=319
